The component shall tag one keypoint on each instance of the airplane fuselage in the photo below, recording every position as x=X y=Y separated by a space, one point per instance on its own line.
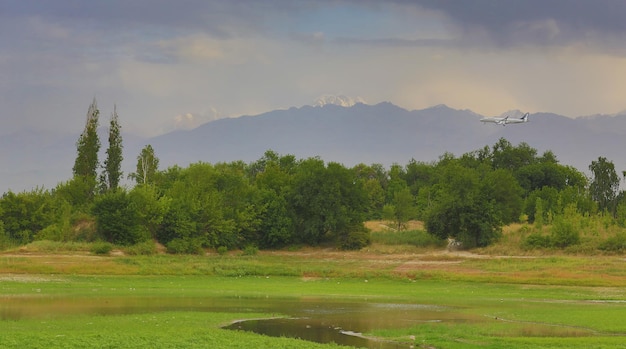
x=506 y=120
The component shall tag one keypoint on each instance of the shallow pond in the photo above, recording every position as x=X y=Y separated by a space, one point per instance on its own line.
x=344 y=322
x=314 y=319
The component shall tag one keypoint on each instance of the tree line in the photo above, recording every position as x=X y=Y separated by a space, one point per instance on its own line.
x=279 y=200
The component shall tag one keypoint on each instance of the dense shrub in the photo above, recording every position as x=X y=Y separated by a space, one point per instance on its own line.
x=355 y=240
x=250 y=250
x=117 y=219
x=536 y=240
x=146 y=248
x=564 y=234
x=184 y=246
x=616 y=243
x=101 y=247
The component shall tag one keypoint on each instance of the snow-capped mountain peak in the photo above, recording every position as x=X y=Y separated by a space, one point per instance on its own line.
x=340 y=100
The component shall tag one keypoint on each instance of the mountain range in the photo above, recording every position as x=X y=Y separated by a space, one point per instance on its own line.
x=358 y=133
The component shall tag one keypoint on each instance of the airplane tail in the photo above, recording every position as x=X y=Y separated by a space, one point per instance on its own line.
x=525 y=117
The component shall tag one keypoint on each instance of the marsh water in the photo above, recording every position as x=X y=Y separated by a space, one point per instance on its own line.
x=315 y=319
x=344 y=322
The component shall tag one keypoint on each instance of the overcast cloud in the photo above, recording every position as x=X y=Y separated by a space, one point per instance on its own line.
x=165 y=63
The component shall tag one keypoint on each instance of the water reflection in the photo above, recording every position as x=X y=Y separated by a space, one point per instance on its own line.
x=316 y=330
x=343 y=322
x=15 y=308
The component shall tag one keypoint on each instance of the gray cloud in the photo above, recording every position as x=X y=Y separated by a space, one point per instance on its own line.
x=504 y=22
x=221 y=19
x=535 y=22
x=394 y=42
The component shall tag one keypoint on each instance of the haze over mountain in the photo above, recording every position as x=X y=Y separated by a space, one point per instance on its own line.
x=356 y=133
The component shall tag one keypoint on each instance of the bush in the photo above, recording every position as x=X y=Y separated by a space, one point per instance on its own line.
x=146 y=248
x=51 y=232
x=184 y=246
x=536 y=240
x=222 y=250
x=356 y=240
x=5 y=242
x=616 y=243
x=250 y=250
x=177 y=246
x=101 y=247
x=563 y=234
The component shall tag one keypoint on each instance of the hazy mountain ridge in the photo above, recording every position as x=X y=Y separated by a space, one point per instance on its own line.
x=383 y=133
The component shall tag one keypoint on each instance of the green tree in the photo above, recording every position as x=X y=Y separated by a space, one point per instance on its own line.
x=620 y=214
x=402 y=208
x=196 y=214
x=396 y=181
x=503 y=189
x=551 y=205
x=505 y=155
x=147 y=166
x=272 y=175
x=177 y=224
x=4 y=239
x=150 y=208
x=117 y=219
x=113 y=161
x=604 y=185
x=88 y=146
x=327 y=202
x=460 y=209
x=539 y=214
x=418 y=175
x=26 y=213
x=372 y=178
x=241 y=203
x=276 y=223
x=74 y=192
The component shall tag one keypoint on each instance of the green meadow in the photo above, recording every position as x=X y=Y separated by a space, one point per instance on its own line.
x=79 y=300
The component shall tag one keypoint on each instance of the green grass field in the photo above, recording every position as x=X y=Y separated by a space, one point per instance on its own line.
x=551 y=302
x=56 y=295
x=152 y=330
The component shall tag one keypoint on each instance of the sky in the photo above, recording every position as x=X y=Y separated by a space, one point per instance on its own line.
x=174 y=64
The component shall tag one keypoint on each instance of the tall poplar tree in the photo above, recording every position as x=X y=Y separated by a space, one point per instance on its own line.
x=86 y=164
x=113 y=162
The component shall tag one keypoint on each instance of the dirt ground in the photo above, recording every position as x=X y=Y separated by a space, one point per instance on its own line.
x=385 y=225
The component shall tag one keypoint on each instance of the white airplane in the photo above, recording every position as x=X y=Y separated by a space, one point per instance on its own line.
x=506 y=120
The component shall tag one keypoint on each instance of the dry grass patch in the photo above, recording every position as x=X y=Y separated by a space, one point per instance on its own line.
x=39 y=263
